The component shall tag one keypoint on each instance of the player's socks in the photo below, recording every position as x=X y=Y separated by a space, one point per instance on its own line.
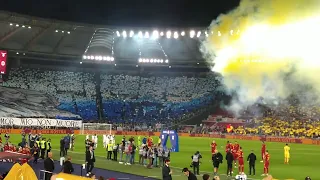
x=242 y=169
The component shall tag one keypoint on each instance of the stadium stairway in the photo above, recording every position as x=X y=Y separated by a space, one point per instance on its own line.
x=5 y=167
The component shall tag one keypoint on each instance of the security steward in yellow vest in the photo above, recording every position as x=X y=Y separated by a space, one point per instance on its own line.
x=43 y=147
x=109 y=149
x=48 y=146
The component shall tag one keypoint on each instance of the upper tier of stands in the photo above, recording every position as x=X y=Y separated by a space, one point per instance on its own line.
x=120 y=97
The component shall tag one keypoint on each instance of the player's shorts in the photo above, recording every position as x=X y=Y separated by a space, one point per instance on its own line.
x=216 y=165
x=287 y=155
x=266 y=165
x=235 y=156
x=241 y=162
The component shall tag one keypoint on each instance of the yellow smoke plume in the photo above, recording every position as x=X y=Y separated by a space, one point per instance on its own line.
x=253 y=45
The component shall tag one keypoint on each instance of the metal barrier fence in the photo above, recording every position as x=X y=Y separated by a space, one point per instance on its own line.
x=44 y=173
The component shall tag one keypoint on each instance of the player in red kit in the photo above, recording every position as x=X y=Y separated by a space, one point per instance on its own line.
x=240 y=160
x=235 y=150
x=213 y=147
x=266 y=161
x=263 y=151
x=229 y=146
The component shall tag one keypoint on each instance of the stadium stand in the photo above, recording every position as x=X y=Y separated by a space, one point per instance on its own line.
x=130 y=98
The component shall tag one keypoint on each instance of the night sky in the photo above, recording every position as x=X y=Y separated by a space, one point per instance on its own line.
x=145 y=13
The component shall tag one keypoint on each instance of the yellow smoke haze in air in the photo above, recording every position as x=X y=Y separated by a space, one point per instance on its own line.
x=254 y=44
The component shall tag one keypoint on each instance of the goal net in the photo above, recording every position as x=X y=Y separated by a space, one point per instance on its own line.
x=96 y=128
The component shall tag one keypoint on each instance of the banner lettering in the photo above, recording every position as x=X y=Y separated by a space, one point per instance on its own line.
x=42 y=122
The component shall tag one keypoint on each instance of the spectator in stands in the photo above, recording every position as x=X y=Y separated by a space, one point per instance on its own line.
x=67 y=166
x=48 y=166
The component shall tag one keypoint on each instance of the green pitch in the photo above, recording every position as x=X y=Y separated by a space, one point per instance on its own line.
x=304 y=158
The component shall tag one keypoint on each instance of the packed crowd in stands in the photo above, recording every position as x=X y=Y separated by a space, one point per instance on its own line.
x=121 y=98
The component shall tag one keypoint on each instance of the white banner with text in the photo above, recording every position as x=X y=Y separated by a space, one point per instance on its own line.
x=42 y=122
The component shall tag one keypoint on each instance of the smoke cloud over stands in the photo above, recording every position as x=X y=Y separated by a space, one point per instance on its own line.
x=268 y=49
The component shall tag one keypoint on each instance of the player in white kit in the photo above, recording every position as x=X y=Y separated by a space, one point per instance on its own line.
x=95 y=140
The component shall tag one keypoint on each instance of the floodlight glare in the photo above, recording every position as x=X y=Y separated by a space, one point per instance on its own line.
x=161 y=61
x=146 y=35
x=161 y=34
x=62 y=31
x=155 y=34
x=124 y=34
x=11 y=24
x=183 y=33
x=175 y=35
x=131 y=33
x=17 y=25
x=140 y=60
x=29 y=27
x=84 y=57
x=140 y=34
x=96 y=58
x=104 y=58
x=231 y=32
x=23 y=26
x=219 y=33
x=192 y=33
x=151 y=60
x=56 y=30
x=118 y=34
x=199 y=33
x=92 y=57
x=169 y=34
x=147 y=60
x=112 y=58
x=108 y=58
x=167 y=61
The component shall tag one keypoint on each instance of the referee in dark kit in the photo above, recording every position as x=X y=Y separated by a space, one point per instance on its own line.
x=252 y=163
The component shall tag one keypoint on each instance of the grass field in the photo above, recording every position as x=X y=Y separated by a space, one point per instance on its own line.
x=304 y=158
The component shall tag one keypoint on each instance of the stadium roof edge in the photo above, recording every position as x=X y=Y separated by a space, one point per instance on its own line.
x=87 y=25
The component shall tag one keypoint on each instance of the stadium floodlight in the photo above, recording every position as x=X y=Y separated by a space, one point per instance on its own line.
x=161 y=34
x=112 y=58
x=183 y=33
x=140 y=60
x=140 y=34
x=29 y=27
x=118 y=33
x=108 y=58
x=147 y=60
x=62 y=31
x=57 y=31
x=84 y=57
x=137 y=65
x=146 y=35
x=23 y=26
x=104 y=58
x=131 y=34
x=17 y=25
x=169 y=66
x=68 y=32
x=92 y=57
x=11 y=24
x=151 y=60
x=175 y=35
x=192 y=33
x=219 y=33
x=155 y=34
x=17 y=53
x=167 y=61
x=124 y=34
x=80 y=62
x=96 y=57
x=199 y=34
x=168 y=34
x=161 y=60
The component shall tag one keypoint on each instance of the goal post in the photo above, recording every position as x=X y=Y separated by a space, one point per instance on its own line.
x=96 y=128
